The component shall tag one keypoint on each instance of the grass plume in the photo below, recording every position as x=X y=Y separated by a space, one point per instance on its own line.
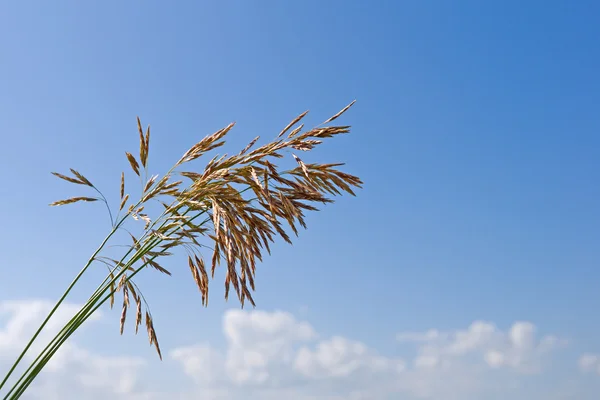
x=239 y=203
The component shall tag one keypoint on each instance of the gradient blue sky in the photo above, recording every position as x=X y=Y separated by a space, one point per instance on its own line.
x=476 y=132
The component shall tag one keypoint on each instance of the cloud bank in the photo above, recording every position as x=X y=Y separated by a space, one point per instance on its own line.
x=274 y=355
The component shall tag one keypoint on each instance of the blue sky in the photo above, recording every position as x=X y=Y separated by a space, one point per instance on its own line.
x=475 y=131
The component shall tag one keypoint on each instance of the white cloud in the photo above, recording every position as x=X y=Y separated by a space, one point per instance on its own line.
x=72 y=368
x=268 y=351
x=518 y=348
x=273 y=355
x=260 y=344
x=25 y=316
x=589 y=363
x=339 y=357
x=201 y=362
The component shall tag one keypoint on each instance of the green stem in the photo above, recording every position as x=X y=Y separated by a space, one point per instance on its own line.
x=41 y=360
x=55 y=345
x=57 y=342
x=58 y=303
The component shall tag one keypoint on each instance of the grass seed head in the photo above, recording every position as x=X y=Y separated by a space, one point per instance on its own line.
x=239 y=203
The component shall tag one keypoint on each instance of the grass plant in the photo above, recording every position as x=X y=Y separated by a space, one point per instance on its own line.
x=239 y=204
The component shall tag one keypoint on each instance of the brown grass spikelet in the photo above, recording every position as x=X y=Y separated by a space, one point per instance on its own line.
x=147 y=143
x=295 y=132
x=152 y=334
x=76 y=180
x=133 y=162
x=204 y=280
x=131 y=290
x=150 y=183
x=122 y=185
x=336 y=116
x=113 y=289
x=302 y=165
x=143 y=148
x=208 y=143
x=157 y=267
x=72 y=200
x=249 y=146
x=123 y=202
x=138 y=315
x=125 y=306
x=200 y=277
x=294 y=122
x=81 y=178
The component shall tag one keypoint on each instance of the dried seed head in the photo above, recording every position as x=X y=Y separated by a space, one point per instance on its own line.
x=142 y=143
x=77 y=180
x=244 y=202
x=147 y=143
x=340 y=113
x=68 y=178
x=112 y=289
x=134 y=164
x=125 y=305
x=72 y=200
x=157 y=267
x=122 y=185
x=138 y=315
x=294 y=122
x=302 y=165
x=123 y=202
x=150 y=183
x=81 y=178
x=152 y=334
x=208 y=143
x=249 y=146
